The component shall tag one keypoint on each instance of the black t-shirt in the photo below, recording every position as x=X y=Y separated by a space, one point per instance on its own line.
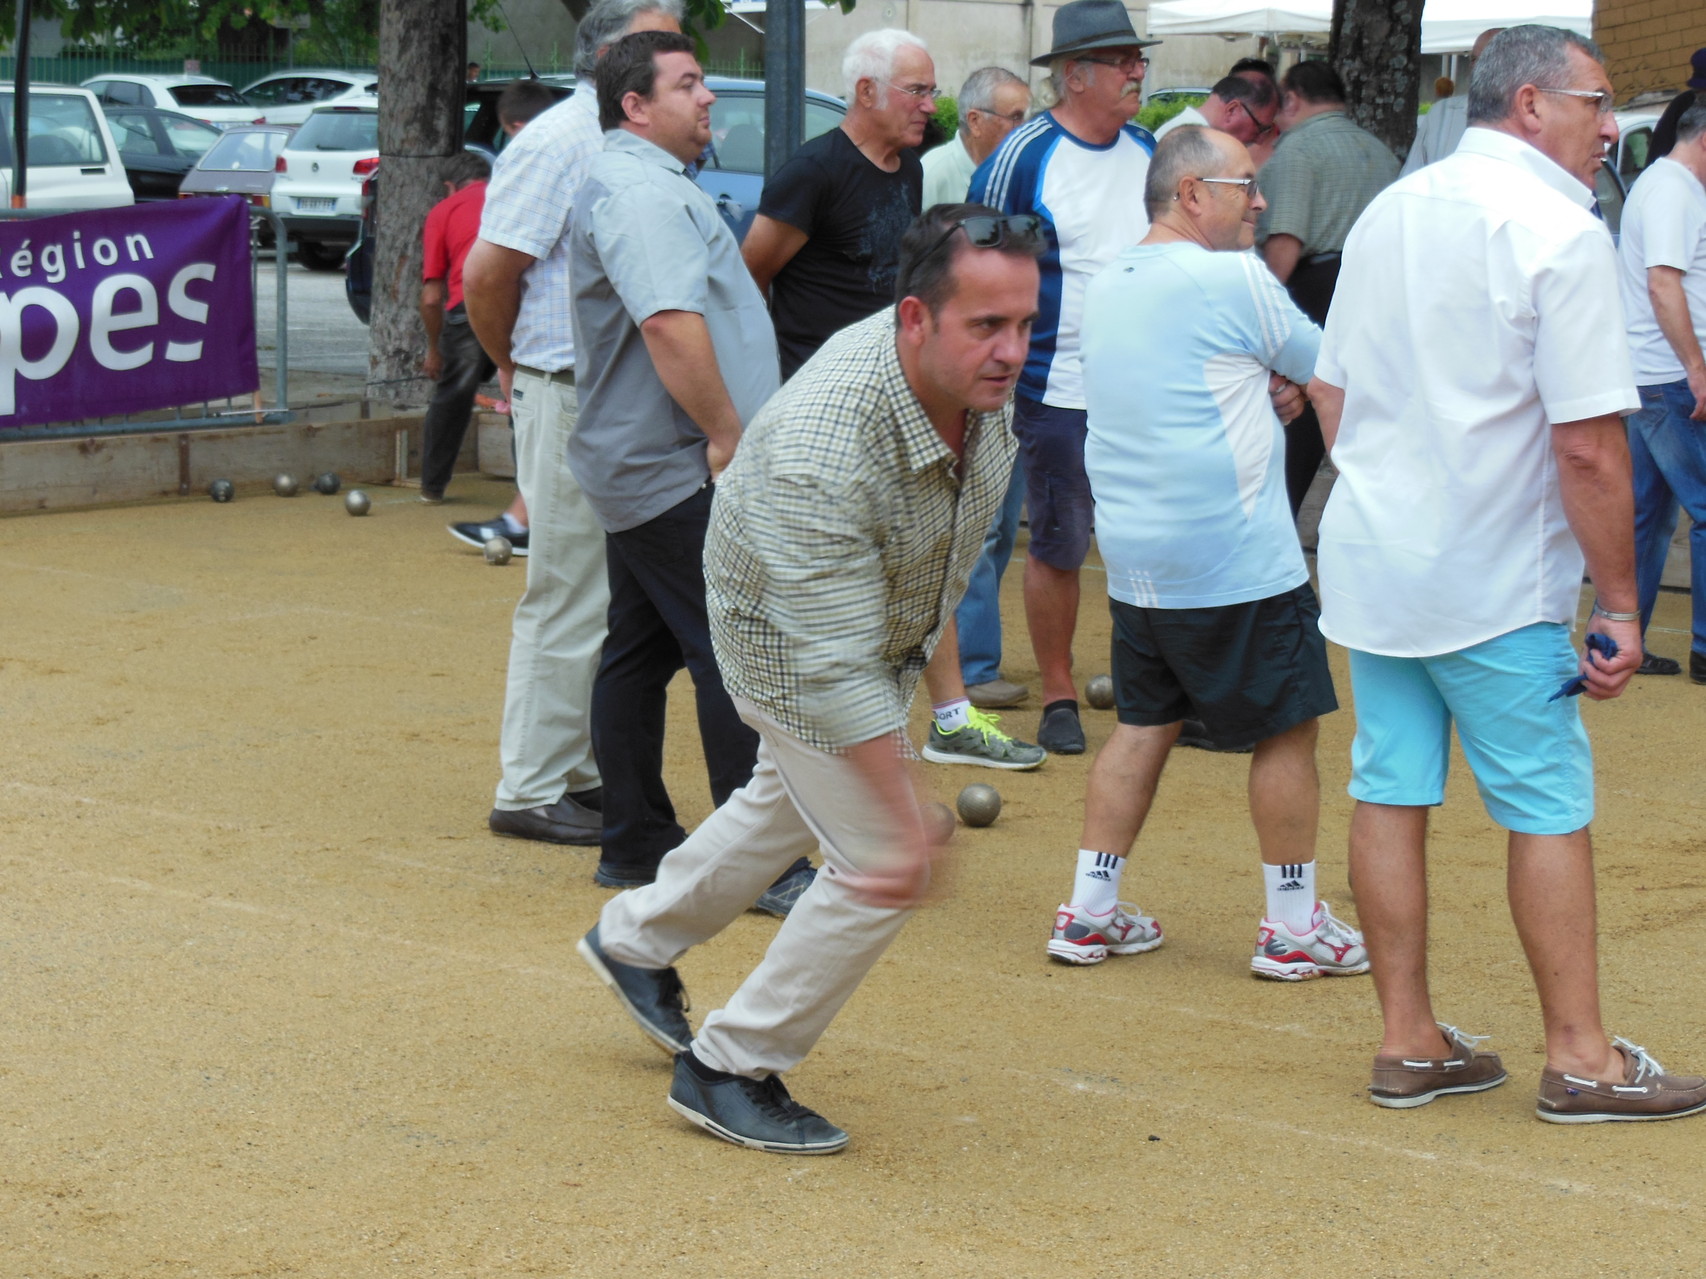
x=853 y=214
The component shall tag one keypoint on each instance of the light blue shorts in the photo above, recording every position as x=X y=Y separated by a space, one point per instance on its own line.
x=1530 y=757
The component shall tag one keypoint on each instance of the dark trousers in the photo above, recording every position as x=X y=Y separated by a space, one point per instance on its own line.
x=1311 y=287
x=658 y=624
x=466 y=366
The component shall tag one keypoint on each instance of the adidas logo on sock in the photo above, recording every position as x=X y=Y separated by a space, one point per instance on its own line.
x=1102 y=874
x=1289 y=885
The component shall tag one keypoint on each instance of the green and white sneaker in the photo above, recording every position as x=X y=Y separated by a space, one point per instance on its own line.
x=981 y=742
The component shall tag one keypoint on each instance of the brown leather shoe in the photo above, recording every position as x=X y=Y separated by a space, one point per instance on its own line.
x=996 y=694
x=568 y=821
x=1403 y=1082
x=1646 y=1093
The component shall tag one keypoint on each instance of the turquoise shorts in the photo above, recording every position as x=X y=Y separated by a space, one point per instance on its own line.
x=1530 y=756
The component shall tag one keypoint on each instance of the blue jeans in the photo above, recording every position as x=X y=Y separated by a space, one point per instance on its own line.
x=1668 y=451
x=979 y=614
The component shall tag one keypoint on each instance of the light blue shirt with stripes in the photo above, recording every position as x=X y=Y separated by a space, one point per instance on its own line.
x=1185 y=454
x=528 y=203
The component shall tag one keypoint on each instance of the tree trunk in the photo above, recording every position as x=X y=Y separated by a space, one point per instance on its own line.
x=1377 y=48
x=422 y=52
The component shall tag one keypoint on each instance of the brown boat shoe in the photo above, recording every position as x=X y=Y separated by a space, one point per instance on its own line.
x=1401 y=1083
x=1646 y=1093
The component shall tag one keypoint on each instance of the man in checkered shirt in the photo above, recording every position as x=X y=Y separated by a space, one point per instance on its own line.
x=841 y=540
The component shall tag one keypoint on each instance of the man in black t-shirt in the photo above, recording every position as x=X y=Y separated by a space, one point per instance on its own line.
x=825 y=246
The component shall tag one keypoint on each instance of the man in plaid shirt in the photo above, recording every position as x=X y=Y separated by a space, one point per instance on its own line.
x=841 y=540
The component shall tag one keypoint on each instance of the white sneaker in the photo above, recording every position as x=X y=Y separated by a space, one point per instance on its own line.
x=1331 y=949
x=1081 y=937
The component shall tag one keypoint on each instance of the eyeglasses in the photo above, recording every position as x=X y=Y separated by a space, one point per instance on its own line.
x=1599 y=97
x=1262 y=130
x=1251 y=190
x=988 y=232
x=1012 y=117
x=922 y=92
x=1131 y=62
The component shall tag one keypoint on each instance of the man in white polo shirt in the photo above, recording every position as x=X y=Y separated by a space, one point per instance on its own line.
x=1481 y=460
x=1662 y=254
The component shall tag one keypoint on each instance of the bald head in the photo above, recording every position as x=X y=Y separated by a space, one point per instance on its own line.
x=1483 y=40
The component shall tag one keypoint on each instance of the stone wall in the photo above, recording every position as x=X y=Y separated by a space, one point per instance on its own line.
x=1648 y=42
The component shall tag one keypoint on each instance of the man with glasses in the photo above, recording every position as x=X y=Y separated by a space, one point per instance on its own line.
x=1080 y=166
x=992 y=103
x=841 y=534
x=1213 y=617
x=1470 y=392
x=1323 y=173
x=1243 y=106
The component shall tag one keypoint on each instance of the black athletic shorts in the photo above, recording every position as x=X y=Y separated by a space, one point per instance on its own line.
x=1247 y=671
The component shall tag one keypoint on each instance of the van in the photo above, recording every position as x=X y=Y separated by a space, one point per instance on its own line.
x=73 y=161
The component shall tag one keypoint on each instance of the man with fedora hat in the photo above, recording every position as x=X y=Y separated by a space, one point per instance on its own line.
x=1079 y=166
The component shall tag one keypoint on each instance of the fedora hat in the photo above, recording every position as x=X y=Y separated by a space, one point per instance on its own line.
x=1091 y=24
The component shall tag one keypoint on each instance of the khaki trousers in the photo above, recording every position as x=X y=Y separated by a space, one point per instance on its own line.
x=546 y=743
x=799 y=798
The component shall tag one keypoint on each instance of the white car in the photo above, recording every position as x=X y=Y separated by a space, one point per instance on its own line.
x=74 y=163
x=316 y=189
x=287 y=97
x=206 y=99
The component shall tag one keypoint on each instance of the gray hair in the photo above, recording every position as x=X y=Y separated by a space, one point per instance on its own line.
x=978 y=92
x=1186 y=152
x=1530 y=54
x=607 y=22
x=1692 y=122
x=872 y=55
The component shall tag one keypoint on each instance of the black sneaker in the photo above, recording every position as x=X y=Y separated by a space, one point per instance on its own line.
x=756 y=1113
x=1060 y=733
x=780 y=897
x=654 y=997
x=478 y=532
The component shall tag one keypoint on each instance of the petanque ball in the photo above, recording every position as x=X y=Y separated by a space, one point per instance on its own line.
x=284 y=485
x=327 y=482
x=498 y=550
x=979 y=804
x=356 y=502
x=938 y=822
x=1099 y=692
x=221 y=490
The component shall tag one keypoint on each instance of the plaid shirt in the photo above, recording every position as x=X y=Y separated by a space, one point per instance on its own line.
x=1322 y=175
x=842 y=539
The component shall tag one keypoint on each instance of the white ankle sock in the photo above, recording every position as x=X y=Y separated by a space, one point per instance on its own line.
x=951 y=716
x=513 y=525
x=1096 y=887
x=1291 y=895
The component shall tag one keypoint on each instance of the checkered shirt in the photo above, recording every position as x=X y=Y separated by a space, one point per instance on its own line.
x=1322 y=176
x=528 y=202
x=842 y=539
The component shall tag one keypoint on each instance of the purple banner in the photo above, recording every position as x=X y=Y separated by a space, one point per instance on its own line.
x=125 y=310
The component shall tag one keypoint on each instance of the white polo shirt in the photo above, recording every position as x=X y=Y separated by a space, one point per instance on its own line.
x=1664 y=224
x=1477 y=304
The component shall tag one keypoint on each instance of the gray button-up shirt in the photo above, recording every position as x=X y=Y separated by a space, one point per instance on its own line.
x=646 y=239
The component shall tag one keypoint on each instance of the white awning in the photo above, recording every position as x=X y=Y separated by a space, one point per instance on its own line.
x=1448 y=26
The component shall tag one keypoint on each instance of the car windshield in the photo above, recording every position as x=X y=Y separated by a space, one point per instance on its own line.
x=338 y=131
x=63 y=131
x=207 y=95
x=251 y=152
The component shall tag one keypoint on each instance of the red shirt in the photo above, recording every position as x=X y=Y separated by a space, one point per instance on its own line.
x=451 y=229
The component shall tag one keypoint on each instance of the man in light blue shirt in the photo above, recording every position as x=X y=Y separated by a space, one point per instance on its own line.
x=1189 y=346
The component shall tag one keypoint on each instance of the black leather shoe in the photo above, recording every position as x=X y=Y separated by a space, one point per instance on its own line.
x=565 y=822
x=1697 y=667
x=756 y=1113
x=1653 y=664
x=654 y=997
x=1060 y=733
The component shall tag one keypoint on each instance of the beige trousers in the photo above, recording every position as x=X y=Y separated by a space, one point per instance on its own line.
x=558 y=636
x=799 y=799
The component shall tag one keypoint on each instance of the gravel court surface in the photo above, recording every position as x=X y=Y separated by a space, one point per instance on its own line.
x=280 y=1005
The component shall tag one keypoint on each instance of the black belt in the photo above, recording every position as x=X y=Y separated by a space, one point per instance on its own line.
x=566 y=376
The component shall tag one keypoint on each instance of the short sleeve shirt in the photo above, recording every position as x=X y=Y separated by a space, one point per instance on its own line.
x=452 y=226
x=528 y=203
x=1664 y=224
x=1185 y=454
x=947 y=173
x=853 y=214
x=646 y=239
x=1477 y=305
x=1322 y=175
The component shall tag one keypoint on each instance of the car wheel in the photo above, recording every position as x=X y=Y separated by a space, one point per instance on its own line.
x=320 y=257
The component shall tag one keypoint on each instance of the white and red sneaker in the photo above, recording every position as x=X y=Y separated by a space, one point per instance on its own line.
x=1330 y=949
x=1081 y=937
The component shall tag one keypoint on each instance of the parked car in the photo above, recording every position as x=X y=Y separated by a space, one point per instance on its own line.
x=288 y=97
x=211 y=101
x=317 y=187
x=240 y=163
x=73 y=161
x=158 y=148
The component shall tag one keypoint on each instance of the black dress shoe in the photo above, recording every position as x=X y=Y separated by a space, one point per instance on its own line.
x=1060 y=733
x=654 y=997
x=1697 y=667
x=1653 y=664
x=565 y=822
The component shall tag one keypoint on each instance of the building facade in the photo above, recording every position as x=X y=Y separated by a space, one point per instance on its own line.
x=1648 y=42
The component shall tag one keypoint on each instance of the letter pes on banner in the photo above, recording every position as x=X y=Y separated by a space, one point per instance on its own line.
x=125 y=310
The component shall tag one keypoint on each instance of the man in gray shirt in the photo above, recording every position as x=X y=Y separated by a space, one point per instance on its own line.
x=675 y=354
